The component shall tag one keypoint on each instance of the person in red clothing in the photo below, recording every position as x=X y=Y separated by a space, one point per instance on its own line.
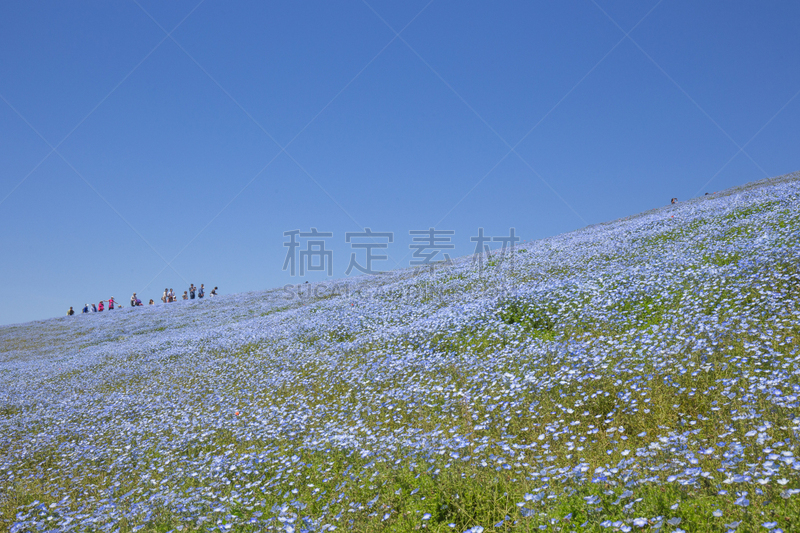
x=111 y=303
x=100 y=306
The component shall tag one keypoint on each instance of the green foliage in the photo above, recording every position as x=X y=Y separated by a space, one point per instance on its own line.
x=341 y=334
x=744 y=213
x=533 y=319
x=624 y=396
x=722 y=259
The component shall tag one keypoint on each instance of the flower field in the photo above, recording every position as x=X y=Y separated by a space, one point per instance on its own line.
x=638 y=375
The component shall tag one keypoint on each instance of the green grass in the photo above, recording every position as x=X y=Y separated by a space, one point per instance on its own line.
x=683 y=399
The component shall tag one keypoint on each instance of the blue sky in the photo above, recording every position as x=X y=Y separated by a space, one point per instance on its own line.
x=149 y=144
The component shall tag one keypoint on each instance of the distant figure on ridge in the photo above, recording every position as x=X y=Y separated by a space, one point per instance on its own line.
x=100 y=307
x=171 y=295
x=674 y=200
x=214 y=292
x=164 y=297
x=111 y=303
x=201 y=292
x=185 y=295
x=151 y=302
x=192 y=290
x=70 y=312
x=94 y=308
x=85 y=308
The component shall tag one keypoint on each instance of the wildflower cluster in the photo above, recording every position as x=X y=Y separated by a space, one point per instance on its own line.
x=641 y=374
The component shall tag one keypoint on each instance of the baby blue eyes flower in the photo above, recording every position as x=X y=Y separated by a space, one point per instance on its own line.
x=744 y=502
x=130 y=390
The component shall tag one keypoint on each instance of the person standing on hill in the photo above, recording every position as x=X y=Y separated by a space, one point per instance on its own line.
x=151 y=302
x=133 y=300
x=192 y=290
x=100 y=307
x=185 y=295
x=171 y=295
x=70 y=312
x=94 y=308
x=214 y=291
x=164 y=297
x=85 y=308
x=202 y=291
x=111 y=303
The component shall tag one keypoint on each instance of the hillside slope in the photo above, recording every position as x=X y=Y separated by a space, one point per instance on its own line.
x=637 y=374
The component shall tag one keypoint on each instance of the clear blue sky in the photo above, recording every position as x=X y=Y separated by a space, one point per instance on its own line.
x=200 y=148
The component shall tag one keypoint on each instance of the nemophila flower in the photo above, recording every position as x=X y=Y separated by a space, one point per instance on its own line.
x=203 y=409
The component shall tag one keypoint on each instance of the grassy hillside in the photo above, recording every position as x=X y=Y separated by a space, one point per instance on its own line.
x=641 y=374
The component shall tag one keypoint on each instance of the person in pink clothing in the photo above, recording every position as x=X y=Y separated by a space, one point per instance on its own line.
x=111 y=303
x=100 y=306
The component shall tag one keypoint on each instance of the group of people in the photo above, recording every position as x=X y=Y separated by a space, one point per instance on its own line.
x=169 y=296
x=95 y=308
